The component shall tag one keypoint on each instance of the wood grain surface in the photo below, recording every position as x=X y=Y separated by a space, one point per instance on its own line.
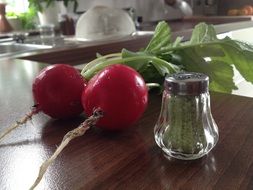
x=126 y=160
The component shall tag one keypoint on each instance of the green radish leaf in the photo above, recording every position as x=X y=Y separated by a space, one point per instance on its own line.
x=220 y=73
x=160 y=39
x=203 y=53
x=203 y=33
x=240 y=55
x=207 y=54
x=136 y=64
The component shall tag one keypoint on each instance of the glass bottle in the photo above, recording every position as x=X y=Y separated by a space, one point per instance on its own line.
x=4 y=24
x=186 y=129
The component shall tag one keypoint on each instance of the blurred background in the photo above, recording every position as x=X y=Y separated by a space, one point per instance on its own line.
x=26 y=11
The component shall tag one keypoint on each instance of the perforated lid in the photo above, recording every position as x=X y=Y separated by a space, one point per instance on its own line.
x=189 y=83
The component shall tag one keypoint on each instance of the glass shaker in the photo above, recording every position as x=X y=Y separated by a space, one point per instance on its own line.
x=186 y=129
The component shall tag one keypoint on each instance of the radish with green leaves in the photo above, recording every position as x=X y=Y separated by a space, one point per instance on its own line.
x=111 y=109
x=114 y=99
x=57 y=92
x=116 y=96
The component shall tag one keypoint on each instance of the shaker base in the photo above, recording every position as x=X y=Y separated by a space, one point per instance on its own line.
x=181 y=156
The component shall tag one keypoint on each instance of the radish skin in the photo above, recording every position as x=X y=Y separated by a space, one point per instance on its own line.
x=57 y=92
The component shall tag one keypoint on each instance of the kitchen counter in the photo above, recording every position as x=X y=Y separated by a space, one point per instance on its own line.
x=189 y=22
x=127 y=160
x=69 y=51
x=80 y=52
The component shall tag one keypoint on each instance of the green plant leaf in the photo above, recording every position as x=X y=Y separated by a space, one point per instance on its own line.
x=239 y=54
x=203 y=33
x=136 y=64
x=204 y=53
x=160 y=39
x=220 y=73
x=207 y=54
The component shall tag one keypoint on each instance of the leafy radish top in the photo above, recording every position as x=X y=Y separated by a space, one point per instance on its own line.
x=204 y=53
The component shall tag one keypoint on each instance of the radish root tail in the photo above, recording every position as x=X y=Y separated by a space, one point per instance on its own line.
x=77 y=132
x=20 y=122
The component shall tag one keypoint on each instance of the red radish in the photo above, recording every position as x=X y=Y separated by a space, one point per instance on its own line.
x=57 y=91
x=114 y=99
x=120 y=92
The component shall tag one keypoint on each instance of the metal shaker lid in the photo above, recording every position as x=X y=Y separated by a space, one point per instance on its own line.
x=188 y=83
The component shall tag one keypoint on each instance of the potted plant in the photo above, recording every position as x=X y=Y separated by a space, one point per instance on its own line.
x=40 y=5
x=48 y=9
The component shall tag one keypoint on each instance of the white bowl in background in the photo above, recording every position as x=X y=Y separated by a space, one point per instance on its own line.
x=101 y=22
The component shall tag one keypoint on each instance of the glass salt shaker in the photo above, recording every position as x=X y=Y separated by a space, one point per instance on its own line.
x=186 y=129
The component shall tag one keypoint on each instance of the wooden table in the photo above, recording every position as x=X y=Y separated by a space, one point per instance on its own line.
x=127 y=160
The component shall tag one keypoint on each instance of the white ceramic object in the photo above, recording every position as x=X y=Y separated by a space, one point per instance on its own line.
x=102 y=22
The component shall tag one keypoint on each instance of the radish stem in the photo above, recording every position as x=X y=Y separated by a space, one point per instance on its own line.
x=99 y=59
x=153 y=85
x=88 y=74
x=79 y=131
x=27 y=117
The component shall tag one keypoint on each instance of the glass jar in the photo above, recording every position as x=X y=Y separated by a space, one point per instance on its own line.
x=186 y=129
